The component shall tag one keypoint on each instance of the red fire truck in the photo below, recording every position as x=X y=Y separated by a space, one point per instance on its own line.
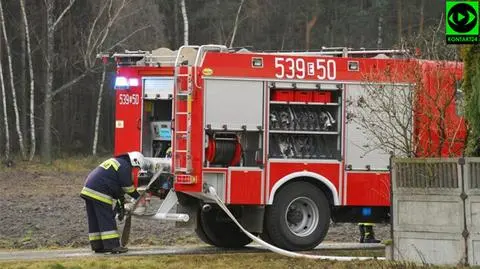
x=277 y=134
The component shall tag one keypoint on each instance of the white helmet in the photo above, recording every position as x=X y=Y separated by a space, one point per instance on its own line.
x=137 y=159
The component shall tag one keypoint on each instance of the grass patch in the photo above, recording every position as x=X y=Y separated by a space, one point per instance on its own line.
x=61 y=164
x=350 y=252
x=244 y=261
x=28 y=236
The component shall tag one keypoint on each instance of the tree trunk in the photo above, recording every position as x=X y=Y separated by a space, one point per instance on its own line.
x=12 y=85
x=399 y=21
x=5 y=116
x=422 y=18
x=32 y=84
x=308 y=30
x=22 y=84
x=380 y=32
x=99 y=111
x=46 y=149
x=185 y=22
x=219 y=23
x=235 y=26
x=409 y=22
x=176 y=38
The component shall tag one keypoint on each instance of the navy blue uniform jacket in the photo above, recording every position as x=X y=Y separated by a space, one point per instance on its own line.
x=110 y=181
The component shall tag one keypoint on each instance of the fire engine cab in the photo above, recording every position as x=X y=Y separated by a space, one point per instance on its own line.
x=275 y=133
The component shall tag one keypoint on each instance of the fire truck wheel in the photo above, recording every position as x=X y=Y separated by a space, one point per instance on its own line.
x=220 y=231
x=299 y=217
x=265 y=236
x=200 y=232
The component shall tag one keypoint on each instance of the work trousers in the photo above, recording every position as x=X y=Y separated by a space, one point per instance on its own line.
x=102 y=227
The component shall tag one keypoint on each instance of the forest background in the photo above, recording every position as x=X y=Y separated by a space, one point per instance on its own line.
x=55 y=91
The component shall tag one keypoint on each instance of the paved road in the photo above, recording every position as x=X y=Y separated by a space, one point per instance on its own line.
x=141 y=251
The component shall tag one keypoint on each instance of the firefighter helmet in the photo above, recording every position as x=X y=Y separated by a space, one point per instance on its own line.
x=137 y=159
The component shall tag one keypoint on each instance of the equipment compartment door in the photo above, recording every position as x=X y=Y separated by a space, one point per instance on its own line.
x=245 y=186
x=128 y=120
x=368 y=188
x=233 y=104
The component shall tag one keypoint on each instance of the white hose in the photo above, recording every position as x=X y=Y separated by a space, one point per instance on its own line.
x=275 y=249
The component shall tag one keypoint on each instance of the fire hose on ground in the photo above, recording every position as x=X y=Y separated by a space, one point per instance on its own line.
x=213 y=193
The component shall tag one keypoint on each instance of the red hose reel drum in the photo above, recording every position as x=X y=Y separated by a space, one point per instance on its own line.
x=221 y=151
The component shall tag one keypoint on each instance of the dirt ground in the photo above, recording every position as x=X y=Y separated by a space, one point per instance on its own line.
x=41 y=208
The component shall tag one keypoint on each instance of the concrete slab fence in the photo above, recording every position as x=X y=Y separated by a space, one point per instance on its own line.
x=436 y=210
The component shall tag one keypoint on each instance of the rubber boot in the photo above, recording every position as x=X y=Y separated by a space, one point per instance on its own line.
x=119 y=250
x=361 y=228
x=370 y=235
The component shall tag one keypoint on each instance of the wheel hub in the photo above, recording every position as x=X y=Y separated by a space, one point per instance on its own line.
x=294 y=216
x=302 y=216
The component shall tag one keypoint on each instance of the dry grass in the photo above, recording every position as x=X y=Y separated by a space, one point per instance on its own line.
x=63 y=164
x=243 y=261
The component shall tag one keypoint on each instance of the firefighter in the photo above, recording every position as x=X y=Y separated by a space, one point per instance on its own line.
x=366 y=233
x=108 y=182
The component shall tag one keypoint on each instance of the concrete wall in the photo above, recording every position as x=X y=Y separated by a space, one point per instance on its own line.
x=436 y=210
x=472 y=209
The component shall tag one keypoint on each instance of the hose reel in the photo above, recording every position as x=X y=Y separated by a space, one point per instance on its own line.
x=223 y=149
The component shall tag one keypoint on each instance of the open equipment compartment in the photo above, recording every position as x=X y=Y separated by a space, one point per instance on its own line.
x=157 y=116
x=305 y=120
x=234 y=113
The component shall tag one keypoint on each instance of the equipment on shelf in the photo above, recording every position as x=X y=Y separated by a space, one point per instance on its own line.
x=296 y=117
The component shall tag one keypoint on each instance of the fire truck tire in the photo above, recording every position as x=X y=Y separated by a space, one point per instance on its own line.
x=265 y=236
x=200 y=232
x=220 y=232
x=299 y=217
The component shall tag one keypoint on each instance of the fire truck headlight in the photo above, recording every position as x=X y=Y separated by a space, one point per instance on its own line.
x=121 y=83
x=133 y=82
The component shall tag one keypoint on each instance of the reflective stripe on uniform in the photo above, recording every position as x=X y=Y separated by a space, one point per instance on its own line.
x=94 y=236
x=129 y=189
x=109 y=235
x=97 y=195
x=109 y=163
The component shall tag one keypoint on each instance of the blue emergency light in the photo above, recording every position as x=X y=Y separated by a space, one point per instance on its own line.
x=122 y=83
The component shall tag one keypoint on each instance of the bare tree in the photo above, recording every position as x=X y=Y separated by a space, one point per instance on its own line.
x=99 y=107
x=399 y=21
x=421 y=18
x=410 y=119
x=5 y=116
x=52 y=24
x=385 y=113
x=185 y=22
x=12 y=85
x=308 y=31
x=32 y=82
x=106 y=18
x=380 y=31
x=101 y=28
x=235 y=26
x=436 y=112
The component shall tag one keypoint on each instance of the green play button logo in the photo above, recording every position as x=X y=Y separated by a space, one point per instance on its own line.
x=461 y=24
